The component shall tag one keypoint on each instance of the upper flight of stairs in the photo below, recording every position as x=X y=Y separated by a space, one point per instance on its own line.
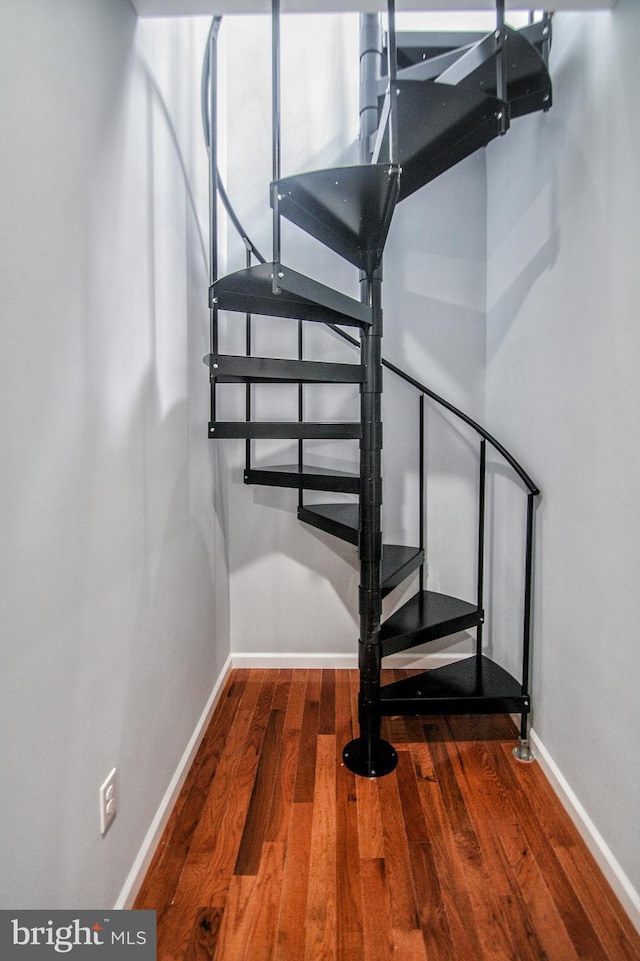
x=445 y=96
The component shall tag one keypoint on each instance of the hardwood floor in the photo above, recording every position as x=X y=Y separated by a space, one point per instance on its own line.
x=275 y=851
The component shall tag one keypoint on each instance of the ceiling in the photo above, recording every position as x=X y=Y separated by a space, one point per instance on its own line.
x=185 y=8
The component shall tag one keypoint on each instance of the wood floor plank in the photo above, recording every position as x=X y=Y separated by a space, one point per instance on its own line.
x=404 y=911
x=486 y=906
x=321 y=924
x=460 y=853
x=450 y=868
x=306 y=772
x=327 y=708
x=295 y=885
x=434 y=923
x=349 y=943
x=256 y=825
x=204 y=935
x=376 y=911
x=235 y=929
x=262 y=939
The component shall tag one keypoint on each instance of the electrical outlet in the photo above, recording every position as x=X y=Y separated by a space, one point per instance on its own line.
x=108 y=802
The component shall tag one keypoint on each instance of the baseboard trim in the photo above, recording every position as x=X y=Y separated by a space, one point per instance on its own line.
x=145 y=854
x=291 y=660
x=608 y=864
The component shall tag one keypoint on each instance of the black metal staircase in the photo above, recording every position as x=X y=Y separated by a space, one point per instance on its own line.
x=439 y=99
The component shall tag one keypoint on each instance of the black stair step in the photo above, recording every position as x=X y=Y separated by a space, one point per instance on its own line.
x=284 y=430
x=469 y=686
x=438 y=126
x=528 y=81
x=341 y=520
x=232 y=369
x=307 y=478
x=398 y=563
x=301 y=298
x=349 y=209
x=428 y=616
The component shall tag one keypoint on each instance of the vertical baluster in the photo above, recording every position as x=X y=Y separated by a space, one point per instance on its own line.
x=275 y=137
x=300 y=410
x=546 y=46
x=370 y=70
x=501 y=63
x=392 y=57
x=421 y=479
x=248 y=394
x=522 y=751
x=211 y=109
x=481 y=519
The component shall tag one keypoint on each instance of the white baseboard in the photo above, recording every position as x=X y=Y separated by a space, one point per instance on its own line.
x=141 y=864
x=340 y=661
x=612 y=870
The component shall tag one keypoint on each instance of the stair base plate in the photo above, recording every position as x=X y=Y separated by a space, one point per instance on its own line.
x=370 y=758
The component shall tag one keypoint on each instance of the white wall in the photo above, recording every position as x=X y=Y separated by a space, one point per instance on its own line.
x=563 y=390
x=114 y=625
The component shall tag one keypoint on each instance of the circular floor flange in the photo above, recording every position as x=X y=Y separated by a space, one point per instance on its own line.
x=370 y=759
x=523 y=753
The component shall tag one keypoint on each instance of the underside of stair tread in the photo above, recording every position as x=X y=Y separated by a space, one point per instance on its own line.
x=349 y=209
x=398 y=563
x=528 y=82
x=472 y=685
x=307 y=478
x=341 y=520
x=301 y=298
x=438 y=126
x=428 y=616
x=416 y=46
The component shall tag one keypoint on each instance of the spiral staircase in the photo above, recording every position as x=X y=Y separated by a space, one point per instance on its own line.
x=427 y=102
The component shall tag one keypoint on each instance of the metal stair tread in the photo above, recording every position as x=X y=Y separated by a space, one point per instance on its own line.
x=242 y=369
x=398 y=563
x=305 y=478
x=300 y=298
x=438 y=126
x=349 y=209
x=427 y=616
x=341 y=520
x=285 y=430
x=471 y=685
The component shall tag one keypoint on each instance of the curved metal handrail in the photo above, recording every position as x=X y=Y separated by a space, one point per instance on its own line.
x=204 y=106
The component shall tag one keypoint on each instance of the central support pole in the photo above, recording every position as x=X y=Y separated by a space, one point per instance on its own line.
x=369 y=755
